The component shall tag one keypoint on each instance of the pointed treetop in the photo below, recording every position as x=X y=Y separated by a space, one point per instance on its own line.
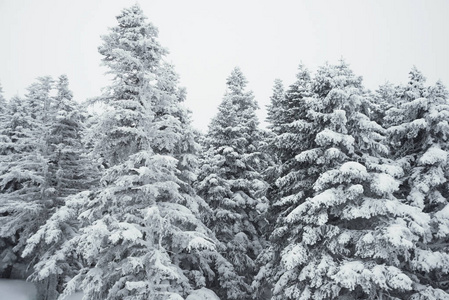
x=415 y=87
x=278 y=90
x=236 y=82
x=63 y=88
x=416 y=77
x=44 y=84
x=131 y=17
x=337 y=76
x=2 y=99
x=439 y=90
x=303 y=73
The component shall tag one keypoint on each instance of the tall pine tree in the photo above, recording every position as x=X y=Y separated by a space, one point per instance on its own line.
x=291 y=133
x=140 y=235
x=230 y=179
x=26 y=195
x=69 y=172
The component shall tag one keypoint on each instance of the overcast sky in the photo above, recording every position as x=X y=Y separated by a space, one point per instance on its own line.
x=381 y=40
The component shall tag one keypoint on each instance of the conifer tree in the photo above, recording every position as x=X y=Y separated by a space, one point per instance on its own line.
x=383 y=100
x=23 y=176
x=276 y=108
x=418 y=134
x=291 y=133
x=230 y=179
x=69 y=169
x=346 y=236
x=3 y=101
x=69 y=172
x=140 y=236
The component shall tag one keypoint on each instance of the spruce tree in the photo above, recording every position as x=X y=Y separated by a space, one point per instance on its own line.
x=26 y=202
x=140 y=235
x=230 y=180
x=291 y=133
x=345 y=236
x=383 y=99
x=418 y=134
x=69 y=172
x=276 y=108
x=3 y=101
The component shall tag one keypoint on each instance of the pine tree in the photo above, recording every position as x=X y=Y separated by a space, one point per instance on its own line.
x=25 y=193
x=69 y=169
x=69 y=172
x=346 y=236
x=418 y=134
x=230 y=180
x=383 y=100
x=291 y=133
x=140 y=235
x=3 y=101
x=276 y=108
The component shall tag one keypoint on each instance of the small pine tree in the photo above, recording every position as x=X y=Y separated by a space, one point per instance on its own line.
x=230 y=180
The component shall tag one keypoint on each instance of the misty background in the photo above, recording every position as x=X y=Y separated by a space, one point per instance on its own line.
x=206 y=39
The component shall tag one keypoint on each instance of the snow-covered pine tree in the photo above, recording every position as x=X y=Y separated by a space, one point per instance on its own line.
x=418 y=133
x=276 y=126
x=23 y=186
x=69 y=172
x=140 y=235
x=276 y=108
x=346 y=236
x=230 y=181
x=383 y=99
x=291 y=133
x=3 y=102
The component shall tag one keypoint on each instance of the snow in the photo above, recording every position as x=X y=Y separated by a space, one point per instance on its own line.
x=293 y=256
x=17 y=290
x=21 y=290
x=328 y=137
x=384 y=184
x=202 y=294
x=308 y=155
x=200 y=243
x=399 y=235
x=349 y=274
x=354 y=169
x=432 y=156
x=127 y=232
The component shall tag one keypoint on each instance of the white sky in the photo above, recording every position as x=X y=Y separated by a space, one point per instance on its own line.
x=380 y=39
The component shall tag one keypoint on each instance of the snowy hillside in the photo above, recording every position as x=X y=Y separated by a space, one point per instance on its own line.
x=21 y=290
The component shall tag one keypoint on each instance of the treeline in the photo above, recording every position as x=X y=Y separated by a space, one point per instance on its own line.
x=343 y=196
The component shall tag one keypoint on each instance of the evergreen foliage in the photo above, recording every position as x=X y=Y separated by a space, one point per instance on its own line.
x=418 y=134
x=346 y=235
x=231 y=183
x=345 y=196
x=68 y=172
x=24 y=189
x=140 y=236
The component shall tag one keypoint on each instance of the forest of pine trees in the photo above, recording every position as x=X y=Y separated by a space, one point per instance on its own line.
x=345 y=194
